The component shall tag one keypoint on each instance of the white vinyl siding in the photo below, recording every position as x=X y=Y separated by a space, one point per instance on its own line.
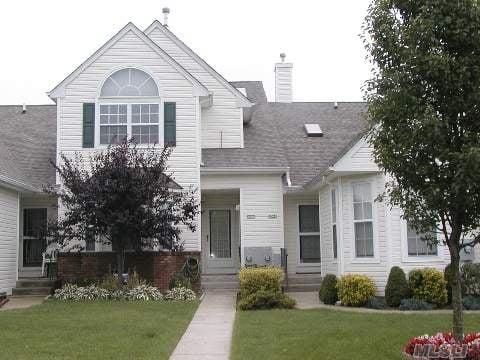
x=132 y=52
x=9 y=218
x=222 y=123
x=261 y=207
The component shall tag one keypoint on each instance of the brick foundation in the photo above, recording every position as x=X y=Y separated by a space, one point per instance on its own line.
x=156 y=267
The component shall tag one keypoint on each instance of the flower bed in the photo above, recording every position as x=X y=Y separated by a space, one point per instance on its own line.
x=143 y=292
x=443 y=345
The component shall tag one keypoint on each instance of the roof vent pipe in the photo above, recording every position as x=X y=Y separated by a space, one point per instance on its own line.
x=335 y=105
x=165 y=12
x=24 y=108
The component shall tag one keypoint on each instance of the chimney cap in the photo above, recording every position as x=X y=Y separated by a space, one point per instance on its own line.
x=166 y=10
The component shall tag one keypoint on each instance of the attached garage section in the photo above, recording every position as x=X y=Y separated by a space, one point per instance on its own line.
x=9 y=205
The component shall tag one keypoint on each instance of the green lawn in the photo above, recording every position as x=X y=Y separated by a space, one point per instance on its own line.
x=95 y=330
x=328 y=334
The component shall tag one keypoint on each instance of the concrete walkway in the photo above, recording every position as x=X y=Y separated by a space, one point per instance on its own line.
x=22 y=302
x=209 y=335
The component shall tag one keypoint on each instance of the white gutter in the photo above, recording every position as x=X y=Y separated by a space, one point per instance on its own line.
x=16 y=185
x=245 y=170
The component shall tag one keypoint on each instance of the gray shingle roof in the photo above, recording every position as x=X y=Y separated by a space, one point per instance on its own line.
x=27 y=143
x=276 y=137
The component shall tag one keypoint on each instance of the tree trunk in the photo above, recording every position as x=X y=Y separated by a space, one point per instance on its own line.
x=456 y=293
x=120 y=265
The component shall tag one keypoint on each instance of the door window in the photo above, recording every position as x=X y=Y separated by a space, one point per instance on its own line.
x=220 y=234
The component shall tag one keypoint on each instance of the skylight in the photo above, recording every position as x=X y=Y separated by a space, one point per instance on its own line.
x=313 y=130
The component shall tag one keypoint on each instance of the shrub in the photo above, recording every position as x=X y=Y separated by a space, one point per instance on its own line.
x=179 y=280
x=109 y=282
x=376 y=303
x=355 y=289
x=415 y=304
x=471 y=302
x=180 y=293
x=253 y=280
x=397 y=287
x=71 y=292
x=266 y=299
x=134 y=281
x=328 y=290
x=471 y=279
x=447 y=274
x=83 y=281
x=428 y=285
x=144 y=293
x=78 y=293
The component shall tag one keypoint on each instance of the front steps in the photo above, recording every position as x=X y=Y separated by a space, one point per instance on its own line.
x=303 y=282
x=220 y=282
x=295 y=283
x=33 y=287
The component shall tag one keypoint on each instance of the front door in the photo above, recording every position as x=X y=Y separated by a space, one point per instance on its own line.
x=220 y=241
x=34 y=241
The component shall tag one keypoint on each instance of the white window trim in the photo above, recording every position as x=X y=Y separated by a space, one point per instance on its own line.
x=375 y=259
x=334 y=189
x=302 y=265
x=129 y=101
x=406 y=258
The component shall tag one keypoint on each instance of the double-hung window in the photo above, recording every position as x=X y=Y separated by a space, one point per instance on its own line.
x=417 y=244
x=309 y=233
x=139 y=122
x=334 y=222
x=363 y=220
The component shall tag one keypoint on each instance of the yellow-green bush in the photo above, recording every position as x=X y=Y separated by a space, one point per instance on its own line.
x=355 y=289
x=429 y=285
x=253 y=280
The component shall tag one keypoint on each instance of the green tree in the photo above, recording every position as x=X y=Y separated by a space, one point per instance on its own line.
x=424 y=117
x=125 y=197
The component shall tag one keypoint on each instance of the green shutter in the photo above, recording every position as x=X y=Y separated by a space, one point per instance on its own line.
x=170 y=124
x=88 y=125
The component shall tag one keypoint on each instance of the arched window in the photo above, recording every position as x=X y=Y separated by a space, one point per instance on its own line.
x=128 y=108
x=129 y=82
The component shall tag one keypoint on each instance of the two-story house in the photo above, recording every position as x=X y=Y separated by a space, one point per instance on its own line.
x=297 y=176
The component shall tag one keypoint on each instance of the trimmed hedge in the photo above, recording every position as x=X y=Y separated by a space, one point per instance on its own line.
x=261 y=288
x=471 y=279
x=328 y=293
x=256 y=279
x=397 y=287
x=415 y=304
x=429 y=285
x=266 y=299
x=355 y=289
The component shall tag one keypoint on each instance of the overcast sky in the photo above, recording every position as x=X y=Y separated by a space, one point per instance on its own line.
x=43 y=41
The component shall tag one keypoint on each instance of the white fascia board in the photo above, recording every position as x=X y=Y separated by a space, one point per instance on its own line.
x=17 y=185
x=59 y=90
x=245 y=170
x=242 y=100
